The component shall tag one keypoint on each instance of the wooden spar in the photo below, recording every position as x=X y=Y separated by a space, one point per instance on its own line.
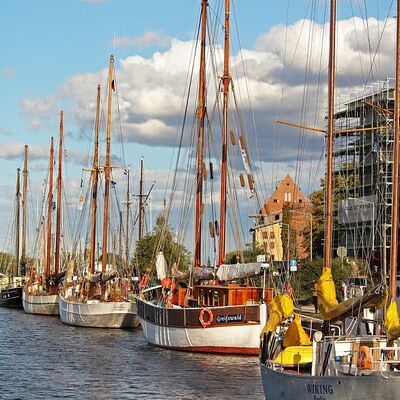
x=224 y=158
x=395 y=190
x=95 y=178
x=201 y=110
x=49 y=209
x=128 y=203
x=24 y=206
x=379 y=108
x=59 y=195
x=373 y=128
x=107 y=172
x=16 y=269
x=308 y=128
x=141 y=200
x=330 y=137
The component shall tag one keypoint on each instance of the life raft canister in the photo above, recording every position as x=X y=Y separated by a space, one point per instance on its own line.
x=364 y=358
x=210 y=317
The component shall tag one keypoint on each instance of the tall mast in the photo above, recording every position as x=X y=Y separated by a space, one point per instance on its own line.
x=107 y=167
x=16 y=271
x=201 y=110
x=128 y=203
x=330 y=138
x=49 y=209
x=95 y=177
x=141 y=200
x=395 y=191
x=226 y=81
x=59 y=193
x=24 y=204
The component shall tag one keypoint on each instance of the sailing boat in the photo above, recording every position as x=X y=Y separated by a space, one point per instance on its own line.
x=336 y=365
x=40 y=295
x=99 y=300
x=11 y=293
x=216 y=318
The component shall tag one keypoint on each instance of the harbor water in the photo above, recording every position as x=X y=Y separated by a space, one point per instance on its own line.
x=40 y=358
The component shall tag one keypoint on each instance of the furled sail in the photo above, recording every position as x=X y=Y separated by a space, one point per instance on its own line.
x=161 y=266
x=280 y=308
x=333 y=311
x=228 y=272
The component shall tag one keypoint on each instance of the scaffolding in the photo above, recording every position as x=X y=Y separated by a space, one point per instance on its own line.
x=363 y=158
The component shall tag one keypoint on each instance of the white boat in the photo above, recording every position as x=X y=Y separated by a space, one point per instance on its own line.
x=101 y=298
x=223 y=315
x=228 y=329
x=98 y=314
x=45 y=304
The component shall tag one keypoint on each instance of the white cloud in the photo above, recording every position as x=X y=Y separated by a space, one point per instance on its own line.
x=148 y=38
x=14 y=150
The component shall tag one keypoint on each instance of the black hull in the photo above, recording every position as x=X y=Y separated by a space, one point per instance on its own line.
x=11 y=297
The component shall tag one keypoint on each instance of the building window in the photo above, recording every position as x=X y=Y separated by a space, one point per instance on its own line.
x=272 y=235
x=271 y=245
x=300 y=201
x=288 y=196
x=276 y=217
x=275 y=200
x=265 y=235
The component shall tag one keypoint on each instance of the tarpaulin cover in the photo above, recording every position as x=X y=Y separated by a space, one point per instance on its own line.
x=296 y=335
x=392 y=322
x=326 y=293
x=295 y=355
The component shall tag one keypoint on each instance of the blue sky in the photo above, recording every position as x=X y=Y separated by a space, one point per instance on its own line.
x=46 y=44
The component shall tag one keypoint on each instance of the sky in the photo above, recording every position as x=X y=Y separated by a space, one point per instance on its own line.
x=55 y=52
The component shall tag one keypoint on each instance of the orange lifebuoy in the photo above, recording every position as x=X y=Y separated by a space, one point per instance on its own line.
x=210 y=317
x=364 y=358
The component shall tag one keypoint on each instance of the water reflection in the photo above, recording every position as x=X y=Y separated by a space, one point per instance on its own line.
x=43 y=359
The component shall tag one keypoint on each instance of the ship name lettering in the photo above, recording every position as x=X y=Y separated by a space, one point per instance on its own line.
x=319 y=389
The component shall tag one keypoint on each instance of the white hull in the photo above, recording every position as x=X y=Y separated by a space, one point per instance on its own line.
x=40 y=304
x=234 y=339
x=99 y=315
x=291 y=386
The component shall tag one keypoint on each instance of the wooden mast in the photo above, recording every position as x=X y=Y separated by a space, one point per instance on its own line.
x=395 y=191
x=95 y=178
x=59 y=195
x=16 y=271
x=107 y=167
x=141 y=200
x=224 y=158
x=201 y=111
x=24 y=206
x=128 y=203
x=49 y=209
x=330 y=137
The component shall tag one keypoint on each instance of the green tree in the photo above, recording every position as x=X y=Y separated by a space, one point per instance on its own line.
x=160 y=238
x=247 y=255
x=311 y=270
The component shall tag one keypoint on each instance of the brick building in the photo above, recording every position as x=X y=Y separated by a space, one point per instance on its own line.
x=268 y=231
